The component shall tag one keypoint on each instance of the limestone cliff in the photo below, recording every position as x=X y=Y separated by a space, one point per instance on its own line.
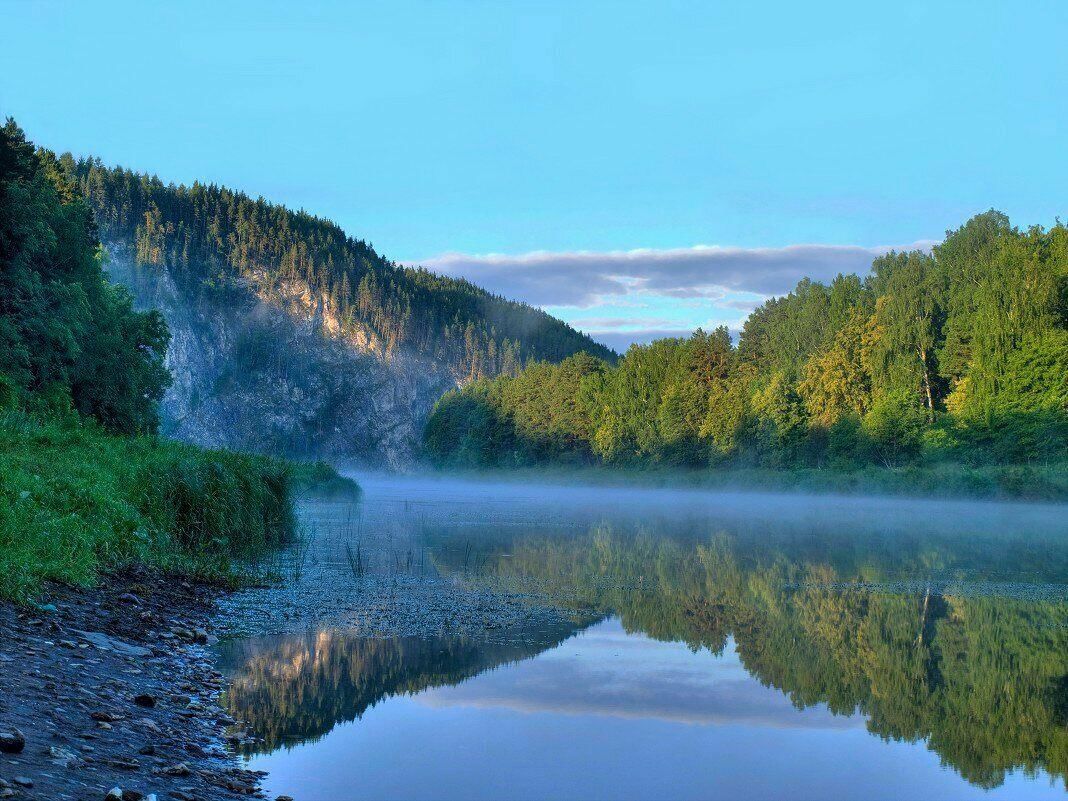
x=268 y=369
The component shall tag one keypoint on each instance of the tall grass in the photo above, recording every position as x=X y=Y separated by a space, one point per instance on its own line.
x=75 y=500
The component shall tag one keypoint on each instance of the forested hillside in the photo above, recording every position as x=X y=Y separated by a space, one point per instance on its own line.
x=958 y=354
x=84 y=483
x=210 y=235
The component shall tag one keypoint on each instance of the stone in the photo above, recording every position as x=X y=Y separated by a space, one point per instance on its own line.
x=284 y=798
x=105 y=643
x=144 y=699
x=12 y=742
x=130 y=598
x=22 y=781
x=181 y=769
x=63 y=757
x=132 y=795
x=114 y=794
x=106 y=717
x=124 y=764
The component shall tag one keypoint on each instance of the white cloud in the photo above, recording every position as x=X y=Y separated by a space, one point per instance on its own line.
x=586 y=278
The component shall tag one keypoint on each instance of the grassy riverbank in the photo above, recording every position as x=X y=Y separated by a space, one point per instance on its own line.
x=1040 y=483
x=321 y=478
x=75 y=500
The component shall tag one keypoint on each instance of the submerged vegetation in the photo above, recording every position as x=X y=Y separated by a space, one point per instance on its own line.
x=955 y=356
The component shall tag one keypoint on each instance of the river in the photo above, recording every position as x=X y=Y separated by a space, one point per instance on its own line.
x=448 y=639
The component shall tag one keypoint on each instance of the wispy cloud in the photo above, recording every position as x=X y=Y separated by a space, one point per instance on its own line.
x=615 y=323
x=586 y=278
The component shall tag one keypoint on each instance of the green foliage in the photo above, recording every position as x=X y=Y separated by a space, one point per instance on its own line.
x=75 y=499
x=211 y=238
x=837 y=382
x=320 y=477
x=63 y=328
x=78 y=368
x=906 y=321
x=1035 y=377
x=466 y=428
x=960 y=354
x=9 y=394
x=895 y=427
x=781 y=421
x=542 y=414
x=725 y=418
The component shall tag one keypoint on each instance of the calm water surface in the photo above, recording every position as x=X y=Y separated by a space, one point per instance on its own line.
x=676 y=645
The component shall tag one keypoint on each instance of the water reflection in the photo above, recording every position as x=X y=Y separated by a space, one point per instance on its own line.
x=295 y=688
x=936 y=636
x=978 y=669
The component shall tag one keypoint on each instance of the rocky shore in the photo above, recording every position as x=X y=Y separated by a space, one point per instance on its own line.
x=111 y=693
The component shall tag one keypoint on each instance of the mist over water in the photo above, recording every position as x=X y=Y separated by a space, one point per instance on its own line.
x=545 y=640
x=564 y=501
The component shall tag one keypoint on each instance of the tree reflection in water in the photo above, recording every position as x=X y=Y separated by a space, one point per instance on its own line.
x=960 y=641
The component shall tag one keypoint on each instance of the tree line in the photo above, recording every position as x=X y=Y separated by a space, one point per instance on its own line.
x=957 y=353
x=212 y=238
x=68 y=337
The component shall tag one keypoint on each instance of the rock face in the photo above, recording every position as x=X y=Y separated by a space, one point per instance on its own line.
x=267 y=372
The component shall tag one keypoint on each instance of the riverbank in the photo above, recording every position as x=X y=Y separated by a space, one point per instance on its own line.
x=114 y=687
x=76 y=501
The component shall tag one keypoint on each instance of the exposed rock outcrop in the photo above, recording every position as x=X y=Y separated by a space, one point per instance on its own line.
x=267 y=370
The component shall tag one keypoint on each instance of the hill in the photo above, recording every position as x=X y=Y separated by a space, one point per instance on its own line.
x=288 y=335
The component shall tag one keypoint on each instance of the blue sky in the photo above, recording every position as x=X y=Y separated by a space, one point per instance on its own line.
x=444 y=132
